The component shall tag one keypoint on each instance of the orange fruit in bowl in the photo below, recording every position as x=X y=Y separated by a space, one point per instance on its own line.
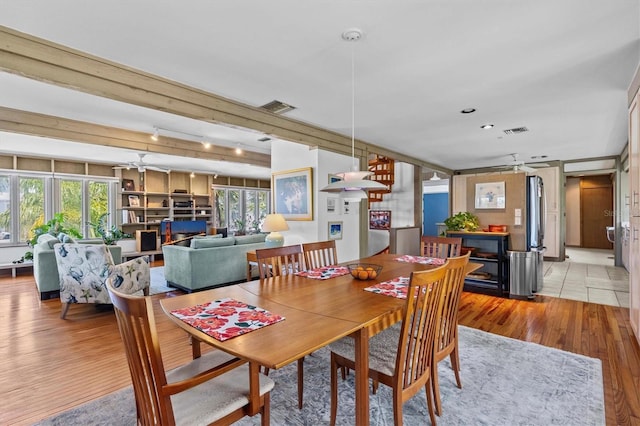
x=372 y=273
x=363 y=275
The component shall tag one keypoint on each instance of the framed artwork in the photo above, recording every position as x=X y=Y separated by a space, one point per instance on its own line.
x=331 y=204
x=334 y=178
x=380 y=219
x=490 y=195
x=134 y=201
x=335 y=230
x=292 y=192
x=128 y=185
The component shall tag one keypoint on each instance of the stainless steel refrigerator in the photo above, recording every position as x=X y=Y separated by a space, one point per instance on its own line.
x=526 y=267
x=536 y=217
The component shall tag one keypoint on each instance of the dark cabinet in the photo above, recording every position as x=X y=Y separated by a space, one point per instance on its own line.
x=489 y=249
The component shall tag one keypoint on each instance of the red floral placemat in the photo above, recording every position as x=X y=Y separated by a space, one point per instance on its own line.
x=396 y=287
x=421 y=259
x=226 y=318
x=325 y=272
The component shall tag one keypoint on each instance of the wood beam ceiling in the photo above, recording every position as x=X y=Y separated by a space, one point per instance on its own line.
x=42 y=60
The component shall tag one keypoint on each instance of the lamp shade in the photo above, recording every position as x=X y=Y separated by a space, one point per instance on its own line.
x=274 y=223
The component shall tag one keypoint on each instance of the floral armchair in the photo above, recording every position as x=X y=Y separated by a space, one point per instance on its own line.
x=85 y=268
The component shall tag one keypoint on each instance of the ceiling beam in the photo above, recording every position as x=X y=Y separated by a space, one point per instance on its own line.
x=30 y=123
x=43 y=60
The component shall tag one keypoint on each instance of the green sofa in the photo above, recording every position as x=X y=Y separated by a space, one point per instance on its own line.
x=45 y=269
x=209 y=262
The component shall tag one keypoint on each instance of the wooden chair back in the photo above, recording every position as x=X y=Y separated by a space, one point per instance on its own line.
x=441 y=247
x=277 y=261
x=446 y=338
x=415 y=346
x=319 y=254
x=138 y=331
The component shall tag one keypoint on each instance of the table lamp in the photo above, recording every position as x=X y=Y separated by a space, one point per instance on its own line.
x=274 y=223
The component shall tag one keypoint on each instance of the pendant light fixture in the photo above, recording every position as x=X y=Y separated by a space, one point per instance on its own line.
x=354 y=184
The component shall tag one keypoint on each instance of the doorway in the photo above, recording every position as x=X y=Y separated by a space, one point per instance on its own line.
x=589 y=211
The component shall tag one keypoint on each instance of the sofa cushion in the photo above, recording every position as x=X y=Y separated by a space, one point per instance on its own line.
x=46 y=241
x=250 y=239
x=131 y=277
x=201 y=237
x=212 y=242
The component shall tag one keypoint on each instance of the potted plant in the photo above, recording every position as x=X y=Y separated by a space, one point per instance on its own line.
x=108 y=235
x=55 y=227
x=463 y=221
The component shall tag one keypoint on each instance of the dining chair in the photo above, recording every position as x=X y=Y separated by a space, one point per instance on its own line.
x=446 y=339
x=441 y=247
x=84 y=269
x=320 y=254
x=277 y=261
x=212 y=389
x=401 y=355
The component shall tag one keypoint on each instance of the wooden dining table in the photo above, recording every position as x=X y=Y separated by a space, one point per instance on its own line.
x=317 y=312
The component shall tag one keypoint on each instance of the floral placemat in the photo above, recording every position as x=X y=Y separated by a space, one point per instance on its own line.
x=325 y=272
x=421 y=259
x=396 y=287
x=225 y=318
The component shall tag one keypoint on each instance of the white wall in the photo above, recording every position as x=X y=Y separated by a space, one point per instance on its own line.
x=289 y=156
x=400 y=202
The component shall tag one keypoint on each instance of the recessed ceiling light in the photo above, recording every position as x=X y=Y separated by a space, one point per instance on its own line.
x=486 y=126
x=468 y=110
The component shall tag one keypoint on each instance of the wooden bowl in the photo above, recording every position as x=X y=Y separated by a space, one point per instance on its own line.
x=497 y=228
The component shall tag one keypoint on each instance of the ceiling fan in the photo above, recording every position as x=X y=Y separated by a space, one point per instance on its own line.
x=518 y=165
x=141 y=165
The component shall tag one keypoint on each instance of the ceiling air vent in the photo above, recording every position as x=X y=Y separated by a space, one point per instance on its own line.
x=515 y=130
x=264 y=139
x=277 y=107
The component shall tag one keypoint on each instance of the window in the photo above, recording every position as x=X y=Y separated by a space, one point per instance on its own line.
x=71 y=202
x=31 y=211
x=240 y=209
x=28 y=200
x=5 y=210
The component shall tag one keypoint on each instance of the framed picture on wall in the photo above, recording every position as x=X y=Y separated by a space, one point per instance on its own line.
x=380 y=219
x=331 y=204
x=292 y=193
x=490 y=195
x=335 y=230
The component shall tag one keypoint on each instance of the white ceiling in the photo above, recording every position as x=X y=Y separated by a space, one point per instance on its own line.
x=560 y=68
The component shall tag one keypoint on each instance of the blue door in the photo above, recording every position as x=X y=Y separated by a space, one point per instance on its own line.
x=435 y=209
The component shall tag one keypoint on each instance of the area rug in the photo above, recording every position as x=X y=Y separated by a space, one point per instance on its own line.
x=505 y=382
x=158 y=282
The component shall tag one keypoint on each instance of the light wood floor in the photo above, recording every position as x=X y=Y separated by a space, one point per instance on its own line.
x=49 y=365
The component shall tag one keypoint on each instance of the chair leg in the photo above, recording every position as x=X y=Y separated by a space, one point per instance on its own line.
x=65 y=308
x=435 y=386
x=334 y=390
x=432 y=415
x=265 y=414
x=397 y=408
x=455 y=365
x=300 y=381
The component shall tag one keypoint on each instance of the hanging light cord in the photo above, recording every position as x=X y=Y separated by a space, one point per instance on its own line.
x=353 y=107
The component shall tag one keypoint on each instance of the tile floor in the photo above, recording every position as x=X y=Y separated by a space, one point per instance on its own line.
x=587 y=275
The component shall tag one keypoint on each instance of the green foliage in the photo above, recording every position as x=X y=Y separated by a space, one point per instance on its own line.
x=108 y=235
x=58 y=224
x=463 y=221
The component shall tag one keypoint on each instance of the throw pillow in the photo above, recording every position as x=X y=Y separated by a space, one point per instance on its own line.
x=66 y=239
x=46 y=241
x=131 y=277
x=211 y=242
x=250 y=239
